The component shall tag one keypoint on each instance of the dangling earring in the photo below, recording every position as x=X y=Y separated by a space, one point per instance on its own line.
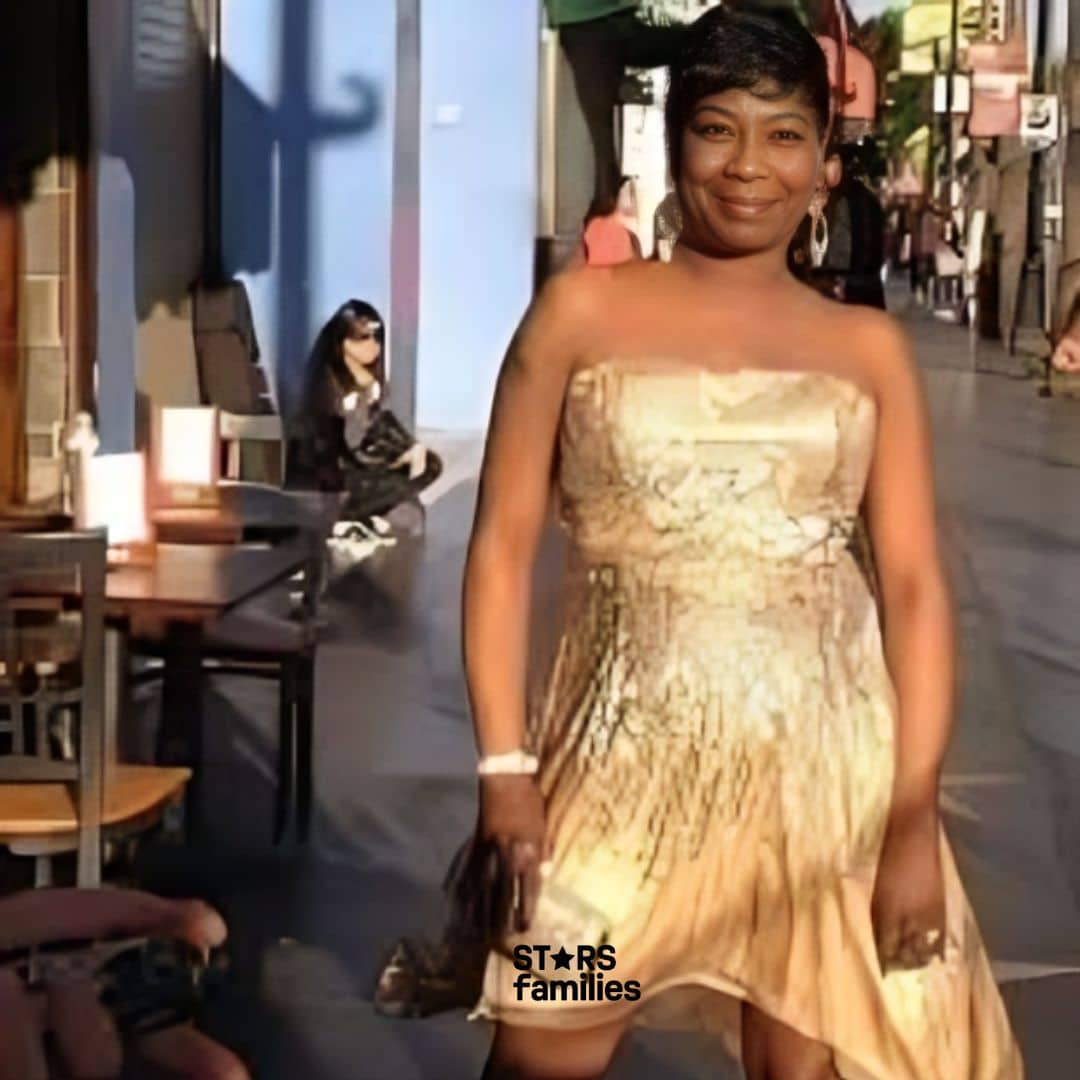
x=819 y=236
x=669 y=224
x=669 y=218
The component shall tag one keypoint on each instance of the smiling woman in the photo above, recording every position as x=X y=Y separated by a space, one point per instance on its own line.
x=746 y=127
x=730 y=772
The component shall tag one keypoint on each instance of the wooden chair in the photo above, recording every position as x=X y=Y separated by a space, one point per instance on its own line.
x=63 y=798
x=227 y=354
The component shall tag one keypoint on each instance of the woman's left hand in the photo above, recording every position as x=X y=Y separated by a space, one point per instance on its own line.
x=908 y=906
x=418 y=464
x=415 y=459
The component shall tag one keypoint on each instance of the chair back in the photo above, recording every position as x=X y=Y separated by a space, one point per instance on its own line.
x=227 y=351
x=39 y=571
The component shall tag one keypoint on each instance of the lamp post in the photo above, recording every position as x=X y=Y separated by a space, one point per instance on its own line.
x=950 y=148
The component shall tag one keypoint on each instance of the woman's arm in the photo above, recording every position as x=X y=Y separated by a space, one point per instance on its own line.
x=515 y=482
x=918 y=612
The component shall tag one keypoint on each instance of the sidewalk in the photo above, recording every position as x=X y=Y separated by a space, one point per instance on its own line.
x=1008 y=466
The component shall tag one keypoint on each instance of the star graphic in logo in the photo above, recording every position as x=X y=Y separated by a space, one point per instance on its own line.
x=562 y=958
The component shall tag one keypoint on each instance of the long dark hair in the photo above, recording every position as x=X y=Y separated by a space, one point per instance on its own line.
x=327 y=372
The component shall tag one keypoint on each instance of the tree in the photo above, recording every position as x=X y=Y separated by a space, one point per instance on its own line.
x=909 y=95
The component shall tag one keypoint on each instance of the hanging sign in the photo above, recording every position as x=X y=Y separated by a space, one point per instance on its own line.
x=961 y=94
x=1039 y=120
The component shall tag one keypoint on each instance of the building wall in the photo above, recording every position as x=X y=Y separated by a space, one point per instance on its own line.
x=308 y=184
x=112 y=124
x=146 y=161
x=168 y=43
x=479 y=174
x=308 y=190
x=41 y=296
x=306 y=164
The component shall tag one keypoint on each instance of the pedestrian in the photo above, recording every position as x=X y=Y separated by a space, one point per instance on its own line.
x=729 y=780
x=852 y=266
x=925 y=234
x=608 y=236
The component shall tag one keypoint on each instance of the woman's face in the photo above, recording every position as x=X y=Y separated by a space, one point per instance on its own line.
x=750 y=168
x=361 y=349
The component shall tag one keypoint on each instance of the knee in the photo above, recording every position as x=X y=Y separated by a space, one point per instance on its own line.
x=815 y=1066
x=521 y=1053
x=497 y=1069
x=221 y=1064
x=774 y=1051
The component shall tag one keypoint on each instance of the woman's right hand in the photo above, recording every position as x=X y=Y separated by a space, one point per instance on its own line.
x=512 y=816
x=83 y=1032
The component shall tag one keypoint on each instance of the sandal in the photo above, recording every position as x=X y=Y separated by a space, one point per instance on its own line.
x=420 y=979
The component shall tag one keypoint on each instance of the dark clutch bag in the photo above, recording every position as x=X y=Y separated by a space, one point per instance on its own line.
x=481 y=892
x=386 y=438
x=482 y=895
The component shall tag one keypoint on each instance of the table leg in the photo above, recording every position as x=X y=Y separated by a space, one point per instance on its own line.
x=305 y=717
x=180 y=738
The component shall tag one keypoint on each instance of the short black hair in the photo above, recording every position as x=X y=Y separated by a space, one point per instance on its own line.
x=745 y=45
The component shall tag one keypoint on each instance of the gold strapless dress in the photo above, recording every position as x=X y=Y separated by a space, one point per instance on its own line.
x=716 y=728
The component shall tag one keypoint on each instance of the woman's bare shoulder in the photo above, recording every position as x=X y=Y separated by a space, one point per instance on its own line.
x=572 y=306
x=560 y=322
x=878 y=344
x=880 y=337
x=865 y=344
x=575 y=293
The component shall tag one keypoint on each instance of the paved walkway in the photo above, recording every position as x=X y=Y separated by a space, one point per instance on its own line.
x=394 y=762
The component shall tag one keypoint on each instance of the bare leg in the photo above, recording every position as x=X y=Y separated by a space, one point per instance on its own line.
x=774 y=1051
x=530 y=1053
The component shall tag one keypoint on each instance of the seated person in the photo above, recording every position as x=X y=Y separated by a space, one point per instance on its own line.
x=342 y=438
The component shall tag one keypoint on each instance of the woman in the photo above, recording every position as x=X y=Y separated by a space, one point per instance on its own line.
x=342 y=437
x=925 y=234
x=608 y=237
x=731 y=772
x=851 y=270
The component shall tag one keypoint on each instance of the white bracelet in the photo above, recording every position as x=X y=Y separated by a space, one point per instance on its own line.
x=514 y=762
